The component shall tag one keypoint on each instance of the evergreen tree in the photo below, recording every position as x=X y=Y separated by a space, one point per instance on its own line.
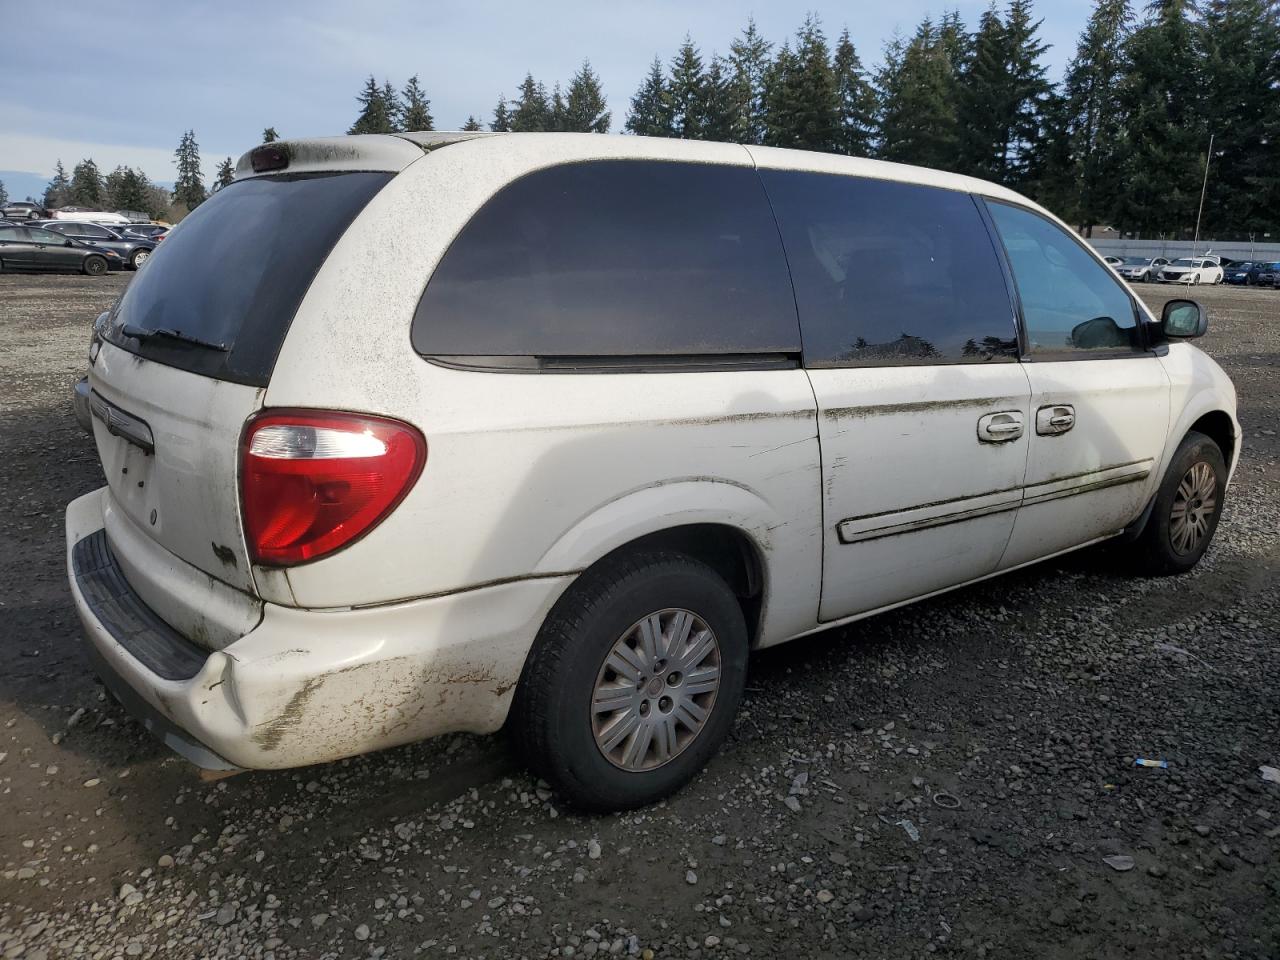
x=472 y=125
x=126 y=189
x=269 y=135
x=4 y=194
x=982 y=101
x=916 y=89
x=87 y=187
x=650 y=113
x=378 y=111
x=157 y=202
x=501 y=122
x=717 y=107
x=1240 y=44
x=586 y=109
x=188 y=188
x=685 y=91
x=803 y=102
x=956 y=41
x=1027 y=90
x=226 y=173
x=556 y=122
x=749 y=63
x=856 y=112
x=395 y=109
x=416 y=114
x=1092 y=119
x=1165 y=130
x=533 y=109
x=58 y=193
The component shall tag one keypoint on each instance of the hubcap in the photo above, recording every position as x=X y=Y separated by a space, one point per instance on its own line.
x=140 y=257
x=656 y=689
x=1193 y=508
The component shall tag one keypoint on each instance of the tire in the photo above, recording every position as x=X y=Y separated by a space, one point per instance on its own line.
x=1196 y=473
x=95 y=266
x=1146 y=278
x=552 y=722
x=139 y=258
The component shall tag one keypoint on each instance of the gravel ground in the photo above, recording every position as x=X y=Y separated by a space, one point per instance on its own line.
x=955 y=778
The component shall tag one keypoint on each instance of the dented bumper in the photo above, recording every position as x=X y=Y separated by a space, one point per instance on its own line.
x=306 y=686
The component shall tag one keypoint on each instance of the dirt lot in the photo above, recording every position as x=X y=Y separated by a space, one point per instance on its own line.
x=944 y=779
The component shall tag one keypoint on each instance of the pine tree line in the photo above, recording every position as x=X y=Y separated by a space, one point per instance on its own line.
x=1121 y=140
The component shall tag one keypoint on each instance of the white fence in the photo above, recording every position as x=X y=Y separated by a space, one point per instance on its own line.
x=1172 y=249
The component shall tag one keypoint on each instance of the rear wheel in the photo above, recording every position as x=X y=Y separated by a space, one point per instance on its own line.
x=633 y=682
x=1186 y=511
x=95 y=266
x=139 y=258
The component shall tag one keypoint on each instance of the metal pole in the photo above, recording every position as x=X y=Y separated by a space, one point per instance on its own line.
x=1203 y=187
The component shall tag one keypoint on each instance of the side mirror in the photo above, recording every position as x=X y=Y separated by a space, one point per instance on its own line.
x=1183 y=320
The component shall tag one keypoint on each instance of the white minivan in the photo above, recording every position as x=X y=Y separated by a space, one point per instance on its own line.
x=444 y=432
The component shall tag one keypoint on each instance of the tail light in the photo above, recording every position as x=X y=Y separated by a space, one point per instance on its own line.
x=312 y=482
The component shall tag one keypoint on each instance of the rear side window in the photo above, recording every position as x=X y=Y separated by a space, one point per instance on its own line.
x=891 y=273
x=616 y=258
x=1070 y=302
x=232 y=275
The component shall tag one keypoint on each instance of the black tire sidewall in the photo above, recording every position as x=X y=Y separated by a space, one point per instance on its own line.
x=1196 y=447
x=584 y=773
x=92 y=260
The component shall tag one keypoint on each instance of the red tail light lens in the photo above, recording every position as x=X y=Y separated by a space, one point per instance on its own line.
x=313 y=482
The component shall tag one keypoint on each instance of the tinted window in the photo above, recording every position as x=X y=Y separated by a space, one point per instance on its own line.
x=37 y=235
x=238 y=268
x=1069 y=301
x=88 y=230
x=890 y=273
x=614 y=258
x=12 y=234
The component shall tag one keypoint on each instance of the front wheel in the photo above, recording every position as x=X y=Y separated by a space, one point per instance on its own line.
x=633 y=681
x=95 y=266
x=1186 y=511
x=139 y=258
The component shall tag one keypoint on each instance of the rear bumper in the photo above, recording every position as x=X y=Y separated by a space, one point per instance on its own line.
x=305 y=686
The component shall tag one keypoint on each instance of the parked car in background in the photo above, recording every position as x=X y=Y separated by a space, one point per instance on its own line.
x=84 y=215
x=1141 y=269
x=152 y=231
x=682 y=399
x=1245 y=272
x=1114 y=261
x=135 y=216
x=131 y=248
x=23 y=210
x=1191 y=270
x=33 y=248
x=1269 y=275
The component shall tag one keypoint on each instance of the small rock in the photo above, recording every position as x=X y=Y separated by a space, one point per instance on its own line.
x=226 y=913
x=92 y=782
x=1156 y=870
x=362 y=932
x=1119 y=862
x=691 y=878
x=825 y=896
x=165 y=861
x=793 y=804
x=593 y=849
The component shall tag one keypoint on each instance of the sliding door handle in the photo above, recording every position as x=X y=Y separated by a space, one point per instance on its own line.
x=1000 y=427
x=1055 y=419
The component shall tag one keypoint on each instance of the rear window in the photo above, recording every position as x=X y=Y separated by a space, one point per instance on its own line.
x=609 y=259
x=235 y=271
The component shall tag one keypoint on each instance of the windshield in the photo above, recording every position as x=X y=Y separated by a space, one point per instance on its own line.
x=1183 y=263
x=234 y=271
x=1137 y=261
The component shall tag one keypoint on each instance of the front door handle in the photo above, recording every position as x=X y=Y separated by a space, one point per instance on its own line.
x=1000 y=427
x=1055 y=419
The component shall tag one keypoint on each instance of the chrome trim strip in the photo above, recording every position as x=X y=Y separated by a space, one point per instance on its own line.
x=120 y=424
x=1087 y=482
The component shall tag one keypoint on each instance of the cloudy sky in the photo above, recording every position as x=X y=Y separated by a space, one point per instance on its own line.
x=120 y=81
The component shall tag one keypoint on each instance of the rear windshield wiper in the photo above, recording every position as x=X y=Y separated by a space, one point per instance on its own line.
x=144 y=333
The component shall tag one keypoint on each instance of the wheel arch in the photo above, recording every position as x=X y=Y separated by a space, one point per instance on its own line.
x=719 y=523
